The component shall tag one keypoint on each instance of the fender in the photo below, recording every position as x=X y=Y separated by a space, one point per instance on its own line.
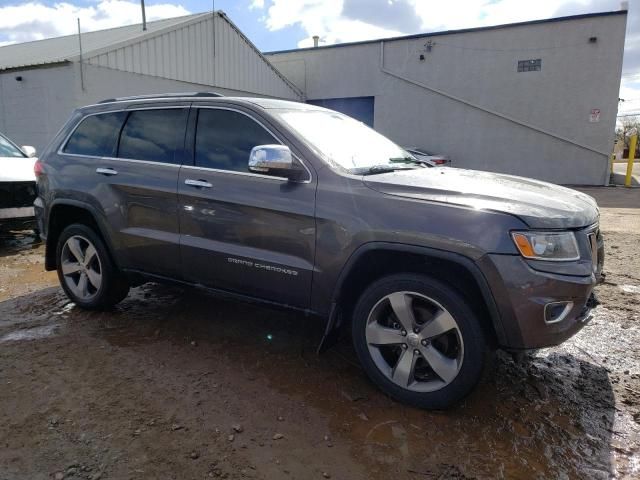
x=100 y=222
x=334 y=320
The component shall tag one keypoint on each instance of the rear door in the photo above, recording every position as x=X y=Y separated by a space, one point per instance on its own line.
x=134 y=181
x=243 y=232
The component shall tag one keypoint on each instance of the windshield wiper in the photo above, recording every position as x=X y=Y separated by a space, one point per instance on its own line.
x=411 y=160
x=384 y=168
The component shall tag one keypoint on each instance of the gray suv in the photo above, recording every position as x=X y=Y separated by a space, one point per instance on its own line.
x=302 y=207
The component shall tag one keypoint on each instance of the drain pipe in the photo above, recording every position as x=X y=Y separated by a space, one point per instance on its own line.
x=144 y=16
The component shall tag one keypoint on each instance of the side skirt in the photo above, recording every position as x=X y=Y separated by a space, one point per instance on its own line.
x=138 y=278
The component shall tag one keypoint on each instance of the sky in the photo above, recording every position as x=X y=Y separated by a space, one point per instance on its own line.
x=285 y=24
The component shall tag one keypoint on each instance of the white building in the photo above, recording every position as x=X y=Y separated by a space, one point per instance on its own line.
x=41 y=82
x=537 y=99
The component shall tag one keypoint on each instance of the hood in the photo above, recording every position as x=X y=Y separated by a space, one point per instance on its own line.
x=15 y=169
x=538 y=204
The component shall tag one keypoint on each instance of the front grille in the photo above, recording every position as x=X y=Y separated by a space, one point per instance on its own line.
x=17 y=194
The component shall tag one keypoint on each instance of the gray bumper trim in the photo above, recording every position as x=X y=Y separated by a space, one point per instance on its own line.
x=22 y=212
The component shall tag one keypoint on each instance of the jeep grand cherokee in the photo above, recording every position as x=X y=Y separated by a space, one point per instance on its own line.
x=299 y=206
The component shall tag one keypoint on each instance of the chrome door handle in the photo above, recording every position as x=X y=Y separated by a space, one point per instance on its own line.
x=197 y=183
x=106 y=171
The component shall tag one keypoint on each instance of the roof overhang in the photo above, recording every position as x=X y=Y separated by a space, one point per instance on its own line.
x=36 y=66
x=453 y=32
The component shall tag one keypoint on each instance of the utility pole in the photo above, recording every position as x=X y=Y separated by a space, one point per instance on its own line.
x=213 y=18
x=144 y=16
x=80 y=47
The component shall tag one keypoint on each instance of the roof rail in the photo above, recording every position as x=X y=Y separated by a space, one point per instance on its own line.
x=163 y=95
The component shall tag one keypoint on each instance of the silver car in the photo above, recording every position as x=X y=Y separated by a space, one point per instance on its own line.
x=429 y=159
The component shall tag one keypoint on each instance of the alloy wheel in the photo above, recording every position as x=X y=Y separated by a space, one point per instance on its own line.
x=81 y=267
x=414 y=341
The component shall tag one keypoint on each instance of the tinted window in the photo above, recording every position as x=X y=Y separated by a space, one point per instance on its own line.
x=153 y=135
x=96 y=135
x=224 y=139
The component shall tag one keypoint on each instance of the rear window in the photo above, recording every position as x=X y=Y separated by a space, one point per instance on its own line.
x=8 y=149
x=153 y=135
x=96 y=135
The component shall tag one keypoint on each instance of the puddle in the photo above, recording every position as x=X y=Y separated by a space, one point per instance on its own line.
x=30 y=334
x=18 y=240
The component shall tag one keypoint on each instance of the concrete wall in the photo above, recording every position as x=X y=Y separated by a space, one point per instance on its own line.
x=33 y=110
x=466 y=98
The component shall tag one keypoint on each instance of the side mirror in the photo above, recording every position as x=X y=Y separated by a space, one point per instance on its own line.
x=28 y=150
x=273 y=160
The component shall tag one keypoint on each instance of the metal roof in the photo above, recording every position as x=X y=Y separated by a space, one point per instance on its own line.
x=182 y=49
x=61 y=49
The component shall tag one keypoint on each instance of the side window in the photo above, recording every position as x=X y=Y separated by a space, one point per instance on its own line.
x=153 y=135
x=224 y=139
x=96 y=135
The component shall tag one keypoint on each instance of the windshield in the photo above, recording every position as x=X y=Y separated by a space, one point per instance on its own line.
x=8 y=149
x=348 y=143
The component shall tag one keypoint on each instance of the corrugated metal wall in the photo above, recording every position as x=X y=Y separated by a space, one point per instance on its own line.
x=187 y=54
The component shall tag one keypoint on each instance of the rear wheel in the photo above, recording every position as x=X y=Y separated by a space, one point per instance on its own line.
x=418 y=340
x=85 y=270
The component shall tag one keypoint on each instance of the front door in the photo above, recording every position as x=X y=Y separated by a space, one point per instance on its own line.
x=240 y=231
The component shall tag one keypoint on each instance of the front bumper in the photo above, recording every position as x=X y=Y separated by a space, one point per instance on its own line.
x=522 y=294
x=16 y=200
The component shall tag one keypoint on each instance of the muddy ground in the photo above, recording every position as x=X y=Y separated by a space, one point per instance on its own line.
x=155 y=388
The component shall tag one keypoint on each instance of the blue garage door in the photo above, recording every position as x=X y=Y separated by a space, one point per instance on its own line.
x=360 y=108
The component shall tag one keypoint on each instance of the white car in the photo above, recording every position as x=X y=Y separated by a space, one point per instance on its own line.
x=429 y=159
x=17 y=181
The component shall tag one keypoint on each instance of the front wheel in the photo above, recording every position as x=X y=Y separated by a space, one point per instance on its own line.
x=418 y=340
x=86 y=271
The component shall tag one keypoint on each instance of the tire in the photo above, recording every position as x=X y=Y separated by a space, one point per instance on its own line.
x=436 y=363
x=103 y=285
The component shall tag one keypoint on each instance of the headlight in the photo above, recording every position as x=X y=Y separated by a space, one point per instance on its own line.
x=553 y=246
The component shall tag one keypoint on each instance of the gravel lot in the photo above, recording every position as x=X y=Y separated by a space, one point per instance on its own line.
x=177 y=384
